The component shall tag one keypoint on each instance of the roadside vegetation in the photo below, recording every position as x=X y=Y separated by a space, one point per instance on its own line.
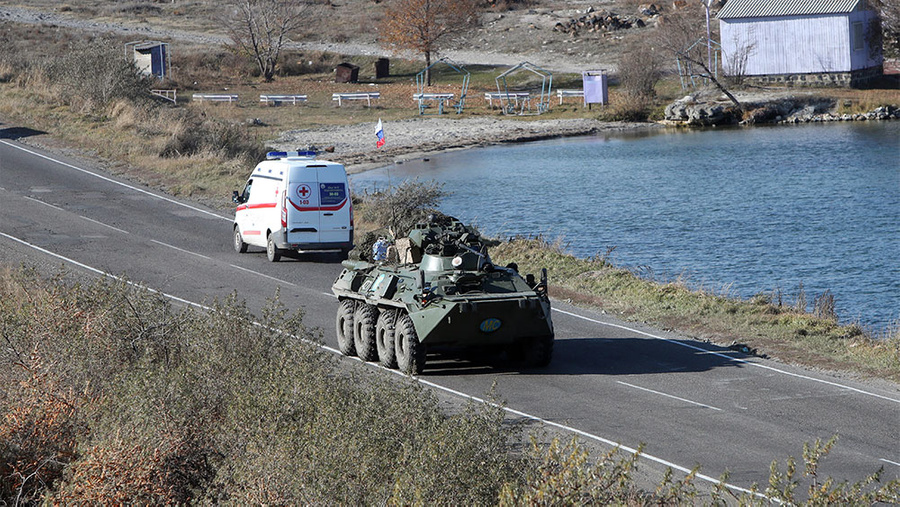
x=110 y=394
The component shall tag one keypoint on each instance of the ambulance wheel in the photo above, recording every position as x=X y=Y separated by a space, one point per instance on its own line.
x=409 y=351
x=344 y=327
x=364 y=331
x=384 y=338
x=272 y=251
x=239 y=245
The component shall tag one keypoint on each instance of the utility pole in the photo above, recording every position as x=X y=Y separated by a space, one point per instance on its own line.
x=707 y=3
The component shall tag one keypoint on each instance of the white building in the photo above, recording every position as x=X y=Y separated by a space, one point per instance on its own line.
x=808 y=42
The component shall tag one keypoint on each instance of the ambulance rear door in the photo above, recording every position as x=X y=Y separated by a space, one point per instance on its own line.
x=335 y=219
x=301 y=206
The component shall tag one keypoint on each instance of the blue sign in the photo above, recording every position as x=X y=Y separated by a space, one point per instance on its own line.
x=332 y=194
x=490 y=325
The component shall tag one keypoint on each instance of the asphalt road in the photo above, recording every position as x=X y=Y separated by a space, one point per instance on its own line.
x=611 y=382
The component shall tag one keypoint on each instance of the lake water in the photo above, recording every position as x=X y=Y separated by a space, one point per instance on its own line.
x=739 y=211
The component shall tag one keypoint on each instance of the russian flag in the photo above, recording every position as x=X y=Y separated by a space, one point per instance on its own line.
x=379 y=133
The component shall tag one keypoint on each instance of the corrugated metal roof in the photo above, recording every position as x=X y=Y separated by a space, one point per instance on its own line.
x=768 y=8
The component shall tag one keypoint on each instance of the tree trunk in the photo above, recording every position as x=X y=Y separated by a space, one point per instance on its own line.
x=428 y=68
x=709 y=75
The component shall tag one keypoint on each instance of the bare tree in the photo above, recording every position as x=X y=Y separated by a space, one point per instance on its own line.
x=424 y=26
x=889 y=12
x=678 y=36
x=735 y=64
x=260 y=29
x=640 y=70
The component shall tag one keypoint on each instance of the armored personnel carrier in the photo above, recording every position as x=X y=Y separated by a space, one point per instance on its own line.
x=438 y=288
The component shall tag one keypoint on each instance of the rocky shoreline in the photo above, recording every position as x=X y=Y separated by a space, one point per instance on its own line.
x=694 y=110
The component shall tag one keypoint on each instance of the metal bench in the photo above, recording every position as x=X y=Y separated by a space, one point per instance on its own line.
x=278 y=99
x=440 y=98
x=170 y=95
x=569 y=93
x=514 y=97
x=367 y=96
x=202 y=97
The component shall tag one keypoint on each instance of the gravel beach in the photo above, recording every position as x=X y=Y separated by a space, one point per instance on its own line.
x=354 y=145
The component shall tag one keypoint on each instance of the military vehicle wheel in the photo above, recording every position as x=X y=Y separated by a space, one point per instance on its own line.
x=272 y=251
x=364 y=331
x=384 y=338
x=239 y=245
x=533 y=352
x=410 y=352
x=344 y=327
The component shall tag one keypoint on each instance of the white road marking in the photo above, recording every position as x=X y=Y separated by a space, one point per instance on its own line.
x=667 y=395
x=263 y=275
x=80 y=216
x=44 y=203
x=110 y=180
x=891 y=462
x=734 y=359
x=102 y=273
x=584 y=434
x=454 y=392
x=180 y=249
x=104 y=225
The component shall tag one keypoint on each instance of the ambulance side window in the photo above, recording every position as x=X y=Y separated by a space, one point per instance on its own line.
x=245 y=196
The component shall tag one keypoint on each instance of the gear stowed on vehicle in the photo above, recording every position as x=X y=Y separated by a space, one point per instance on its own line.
x=438 y=288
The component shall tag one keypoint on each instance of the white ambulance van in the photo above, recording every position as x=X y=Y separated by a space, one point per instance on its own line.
x=294 y=203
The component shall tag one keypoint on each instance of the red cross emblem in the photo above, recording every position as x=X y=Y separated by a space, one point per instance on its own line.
x=303 y=191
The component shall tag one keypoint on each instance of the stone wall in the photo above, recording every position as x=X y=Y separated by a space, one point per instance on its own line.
x=853 y=79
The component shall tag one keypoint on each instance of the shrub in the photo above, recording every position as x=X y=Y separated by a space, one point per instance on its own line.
x=93 y=73
x=38 y=431
x=191 y=135
x=629 y=107
x=402 y=207
x=640 y=70
x=182 y=406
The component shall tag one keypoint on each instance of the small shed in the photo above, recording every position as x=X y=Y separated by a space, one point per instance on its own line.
x=150 y=57
x=346 y=73
x=382 y=68
x=801 y=42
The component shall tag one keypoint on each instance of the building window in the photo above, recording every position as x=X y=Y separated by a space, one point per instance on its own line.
x=858 y=37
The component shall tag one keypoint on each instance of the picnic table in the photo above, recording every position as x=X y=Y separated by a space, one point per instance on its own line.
x=367 y=96
x=440 y=98
x=214 y=97
x=515 y=97
x=277 y=99
x=569 y=93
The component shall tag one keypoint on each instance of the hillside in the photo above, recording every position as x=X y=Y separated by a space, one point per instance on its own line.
x=562 y=36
